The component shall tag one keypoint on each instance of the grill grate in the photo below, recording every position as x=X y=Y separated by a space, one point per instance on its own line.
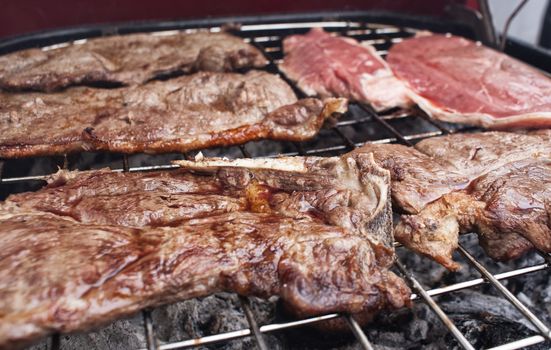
x=403 y=126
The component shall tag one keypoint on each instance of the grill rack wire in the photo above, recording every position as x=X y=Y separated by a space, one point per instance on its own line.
x=267 y=37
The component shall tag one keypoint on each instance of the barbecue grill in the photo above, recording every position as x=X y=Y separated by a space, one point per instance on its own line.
x=358 y=126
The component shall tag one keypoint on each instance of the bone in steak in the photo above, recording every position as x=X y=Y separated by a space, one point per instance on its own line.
x=95 y=246
x=126 y=59
x=456 y=80
x=495 y=183
x=326 y=65
x=191 y=112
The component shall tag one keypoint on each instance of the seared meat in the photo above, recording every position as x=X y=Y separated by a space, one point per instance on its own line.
x=60 y=275
x=314 y=231
x=126 y=59
x=474 y=154
x=508 y=207
x=417 y=179
x=326 y=65
x=190 y=112
x=456 y=80
x=496 y=184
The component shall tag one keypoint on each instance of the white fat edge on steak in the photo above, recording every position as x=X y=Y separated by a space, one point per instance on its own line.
x=479 y=119
x=382 y=89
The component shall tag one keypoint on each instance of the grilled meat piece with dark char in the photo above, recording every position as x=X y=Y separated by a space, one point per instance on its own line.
x=99 y=245
x=191 y=112
x=495 y=183
x=126 y=59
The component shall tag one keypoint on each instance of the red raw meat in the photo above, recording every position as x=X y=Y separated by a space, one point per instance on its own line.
x=457 y=80
x=327 y=65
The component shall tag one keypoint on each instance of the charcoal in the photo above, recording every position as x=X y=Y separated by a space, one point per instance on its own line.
x=486 y=331
x=473 y=302
x=123 y=334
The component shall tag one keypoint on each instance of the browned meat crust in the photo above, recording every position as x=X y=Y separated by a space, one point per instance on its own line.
x=191 y=112
x=95 y=246
x=126 y=59
x=495 y=183
x=417 y=179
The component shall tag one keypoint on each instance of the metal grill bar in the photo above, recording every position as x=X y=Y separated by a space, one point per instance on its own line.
x=55 y=342
x=434 y=306
x=358 y=332
x=369 y=110
x=267 y=37
x=211 y=339
x=536 y=339
x=293 y=324
x=348 y=143
x=246 y=305
x=507 y=294
x=478 y=281
x=150 y=338
x=125 y=164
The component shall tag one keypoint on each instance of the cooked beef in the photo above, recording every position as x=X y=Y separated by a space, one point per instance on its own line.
x=496 y=184
x=459 y=81
x=417 y=179
x=95 y=246
x=477 y=153
x=126 y=59
x=60 y=275
x=190 y=112
x=509 y=208
x=326 y=65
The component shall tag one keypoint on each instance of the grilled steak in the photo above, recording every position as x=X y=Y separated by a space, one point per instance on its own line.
x=126 y=59
x=456 y=80
x=417 y=179
x=190 y=112
x=95 y=246
x=326 y=65
x=496 y=184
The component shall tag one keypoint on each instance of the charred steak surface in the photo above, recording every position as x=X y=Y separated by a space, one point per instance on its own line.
x=191 y=112
x=95 y=246
x=126 y=59
x=494 y=183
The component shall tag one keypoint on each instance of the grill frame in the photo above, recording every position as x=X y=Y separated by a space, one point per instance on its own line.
x=357 y=26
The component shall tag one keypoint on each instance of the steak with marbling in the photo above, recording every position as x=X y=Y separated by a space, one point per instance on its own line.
x=95 y=246
x=126 y=59
x=182 y=114
x=495 y=183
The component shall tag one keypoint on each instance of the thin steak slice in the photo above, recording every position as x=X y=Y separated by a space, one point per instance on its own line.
x=191 y=112
x=417 y=181
x=509 y=208
x=95 y=246
x=327 y=65
x=126 y=59
x=456 y=80
x=495 y=183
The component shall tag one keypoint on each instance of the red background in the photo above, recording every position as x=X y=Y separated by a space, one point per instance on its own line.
x=25 y=16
